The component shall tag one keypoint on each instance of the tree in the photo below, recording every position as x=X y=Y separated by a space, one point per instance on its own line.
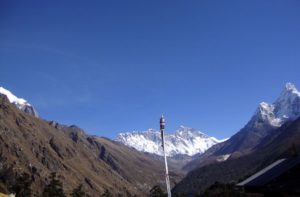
x=54 y=188
x=78 y=192
x=22 y=185
x=156 y=191
x=180 y=195
x=293 y=150
x=223 y=189
x=7 y=178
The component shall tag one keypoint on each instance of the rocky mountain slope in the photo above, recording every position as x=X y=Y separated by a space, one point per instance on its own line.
x=184 y=141
x=266 y=119
x=20 y=103
x=37 y=147
x=280 y=144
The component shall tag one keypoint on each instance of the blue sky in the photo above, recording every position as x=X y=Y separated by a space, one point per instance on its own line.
x=114 y=66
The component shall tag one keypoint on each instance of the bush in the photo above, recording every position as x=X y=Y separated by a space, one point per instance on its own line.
x=22 y=186
x=78 y=192
x=54 y=188
x=156 y=191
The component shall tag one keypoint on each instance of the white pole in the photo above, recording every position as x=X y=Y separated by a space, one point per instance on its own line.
x=162 y=127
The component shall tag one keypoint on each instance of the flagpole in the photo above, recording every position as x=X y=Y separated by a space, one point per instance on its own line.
x=162 y=128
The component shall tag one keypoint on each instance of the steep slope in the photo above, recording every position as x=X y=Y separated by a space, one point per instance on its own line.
x=29 y=144
x=20 y=103
x=266 y=119
x=278 y=146
x=184 y=141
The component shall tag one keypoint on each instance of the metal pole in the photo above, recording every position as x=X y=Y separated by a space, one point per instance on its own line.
x=162 y=128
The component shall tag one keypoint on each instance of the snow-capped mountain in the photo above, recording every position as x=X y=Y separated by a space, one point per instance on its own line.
x=286 y=107
x=20 y=103
x=267 y=118
x=185 y=140
x=262 y=126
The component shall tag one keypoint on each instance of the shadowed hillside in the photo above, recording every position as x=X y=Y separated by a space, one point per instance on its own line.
x=277 y=145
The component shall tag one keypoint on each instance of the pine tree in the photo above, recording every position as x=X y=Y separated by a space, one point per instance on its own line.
x=293 y=150
x=22 y=186
x=222 y=189
x=156 y=191
x=78 y=192
x=54 y=188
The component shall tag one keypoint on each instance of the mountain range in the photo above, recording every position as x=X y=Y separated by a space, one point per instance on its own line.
x=184 y=141
x=132 y=164
x=189 y=141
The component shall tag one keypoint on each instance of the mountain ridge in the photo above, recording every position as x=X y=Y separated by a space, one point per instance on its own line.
x=39 y=147
x=20 y=103
x=266 y=119
x=271 y=133
x=183 y=141
x=279 y=145
x=285 y=107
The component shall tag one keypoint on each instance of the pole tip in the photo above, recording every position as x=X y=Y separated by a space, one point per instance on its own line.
x=162 y=123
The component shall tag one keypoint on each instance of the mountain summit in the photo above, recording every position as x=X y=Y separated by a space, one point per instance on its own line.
x=272 y=133
x=184 y=141
x=286 y=107
x=266 y=119
x=20 y=103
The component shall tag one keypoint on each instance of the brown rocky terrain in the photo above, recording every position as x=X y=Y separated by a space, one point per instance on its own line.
x=38 y=147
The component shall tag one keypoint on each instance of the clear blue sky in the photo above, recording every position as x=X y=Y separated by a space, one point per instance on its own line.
x=113 y=66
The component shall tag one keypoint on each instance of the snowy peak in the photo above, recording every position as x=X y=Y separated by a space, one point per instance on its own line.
x=184 y=140
x=12 y=98
x=20 y=103
x=289 y=87
x=188 y=131
x=288 y=95
x=286 y=107
x=145 y=141
x=266 y=112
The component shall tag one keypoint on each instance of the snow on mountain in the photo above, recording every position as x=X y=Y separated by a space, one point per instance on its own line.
x=184 y=140
x=20 y=103
x=286 y=107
